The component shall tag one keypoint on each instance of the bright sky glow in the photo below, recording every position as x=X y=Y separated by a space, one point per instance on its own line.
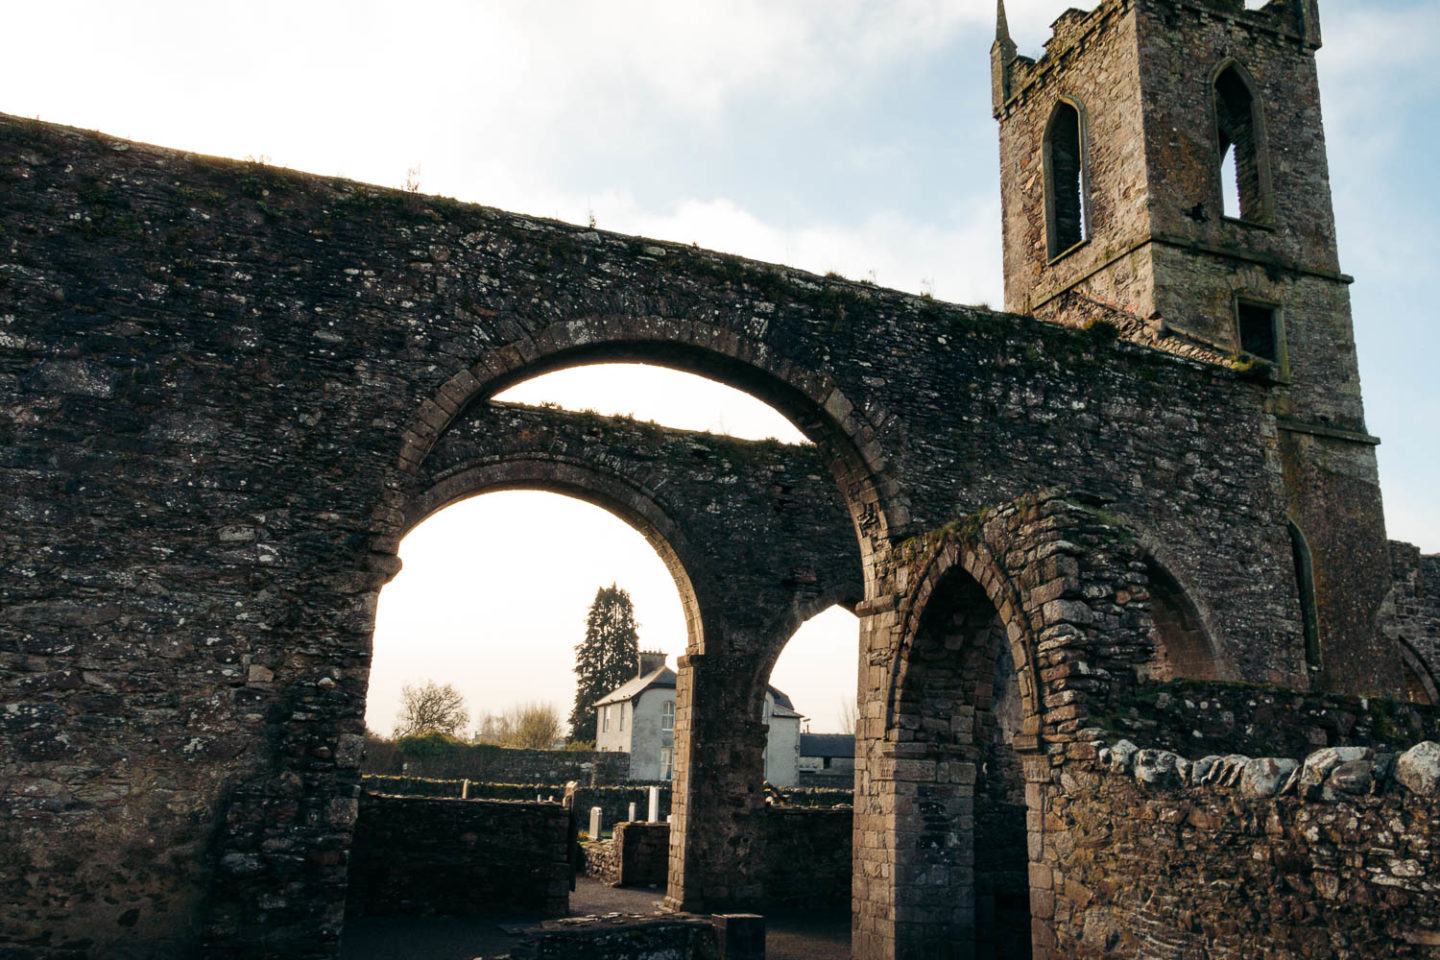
x=845 y=135
x=670 y=397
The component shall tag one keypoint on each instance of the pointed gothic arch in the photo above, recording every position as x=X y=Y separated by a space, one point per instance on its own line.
x=1066 y=203
x=1240 y=143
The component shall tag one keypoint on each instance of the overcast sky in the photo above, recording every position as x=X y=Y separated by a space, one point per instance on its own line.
x=829 y=134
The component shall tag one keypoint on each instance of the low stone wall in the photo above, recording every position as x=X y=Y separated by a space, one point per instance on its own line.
x=600 y=859
x=1236 y=857
x=500 y=764
x=643 y=852
x=822 y=794
x=620 y=938
x=421 y=855
x=808 y=856
x=828 y=779
x=613 y=800
x=1196 y=717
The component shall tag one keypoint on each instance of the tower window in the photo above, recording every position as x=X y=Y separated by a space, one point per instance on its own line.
x=1064 y=179
x=1243 y=182
x=1257 y=327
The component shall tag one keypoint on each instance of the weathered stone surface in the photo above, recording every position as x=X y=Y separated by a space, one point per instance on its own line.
x=1264 y=776
x=1160 y=768
x=1224 y=872
x=1352 y=777
x=1318 y=766
x=1419 y=769
x=227 y=390
x=1155 y=257
x=414 y=855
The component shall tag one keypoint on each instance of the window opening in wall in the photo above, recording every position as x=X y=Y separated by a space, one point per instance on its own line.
x=1229 y=184
x=622 y=718
x=1257 y=328
x=1305 y=580
x=1239 y=148
x=667 y=715
x=667 y=763
x=1064 y=179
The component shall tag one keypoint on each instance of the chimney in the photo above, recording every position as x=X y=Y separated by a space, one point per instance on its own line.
x=650 y=661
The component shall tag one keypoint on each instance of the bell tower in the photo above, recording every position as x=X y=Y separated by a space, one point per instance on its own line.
x=1163 y=166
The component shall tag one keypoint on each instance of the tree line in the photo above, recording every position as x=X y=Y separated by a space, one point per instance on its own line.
x=607 y=657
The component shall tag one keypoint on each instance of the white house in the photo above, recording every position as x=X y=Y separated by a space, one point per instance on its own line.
x=638 y=718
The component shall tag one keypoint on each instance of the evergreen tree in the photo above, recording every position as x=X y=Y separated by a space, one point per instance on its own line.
x=607 y=657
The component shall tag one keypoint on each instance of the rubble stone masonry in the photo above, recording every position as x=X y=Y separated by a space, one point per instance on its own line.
x=228 y=390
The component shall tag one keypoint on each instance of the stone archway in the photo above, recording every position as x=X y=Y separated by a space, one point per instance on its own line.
x=811 y=399
x=751 y=564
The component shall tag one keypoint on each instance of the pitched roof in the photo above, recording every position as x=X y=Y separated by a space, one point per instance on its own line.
x=783 y=706
x=827 y=745
x=664 y=677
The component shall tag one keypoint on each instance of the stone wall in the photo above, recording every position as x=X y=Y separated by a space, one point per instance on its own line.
x=614 y=800
x=1412 y=617
x=620 y=938
x=643 y=852
x=227 y=390
x=808 y=857
x=501 y=765
x=600 y=859
x=1149 y=855
x=1200 y=716
x=415 y=855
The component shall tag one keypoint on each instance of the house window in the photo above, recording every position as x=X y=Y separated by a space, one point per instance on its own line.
x=622 y=718
x=667 y=715
x=605 y=720
x=1064 y=179
x=1244 y=188
x=667 y=763
x=1258 y=331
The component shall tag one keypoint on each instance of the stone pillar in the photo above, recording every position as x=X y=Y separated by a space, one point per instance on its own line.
x=872 y=921
x=717 y=801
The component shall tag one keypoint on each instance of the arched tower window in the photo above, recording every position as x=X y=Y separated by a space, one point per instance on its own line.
x=1244 y=180
x=1305 y=579
x=1064 y=178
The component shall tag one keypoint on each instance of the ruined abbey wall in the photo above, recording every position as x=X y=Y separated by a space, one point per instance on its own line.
x=226 y=391
x=416 y=856
x=1152 y=855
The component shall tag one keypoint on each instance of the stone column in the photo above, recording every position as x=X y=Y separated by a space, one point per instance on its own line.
x=717 y=854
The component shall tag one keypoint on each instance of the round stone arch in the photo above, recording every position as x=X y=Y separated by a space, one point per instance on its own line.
x=810 y=399
x=608 y=490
